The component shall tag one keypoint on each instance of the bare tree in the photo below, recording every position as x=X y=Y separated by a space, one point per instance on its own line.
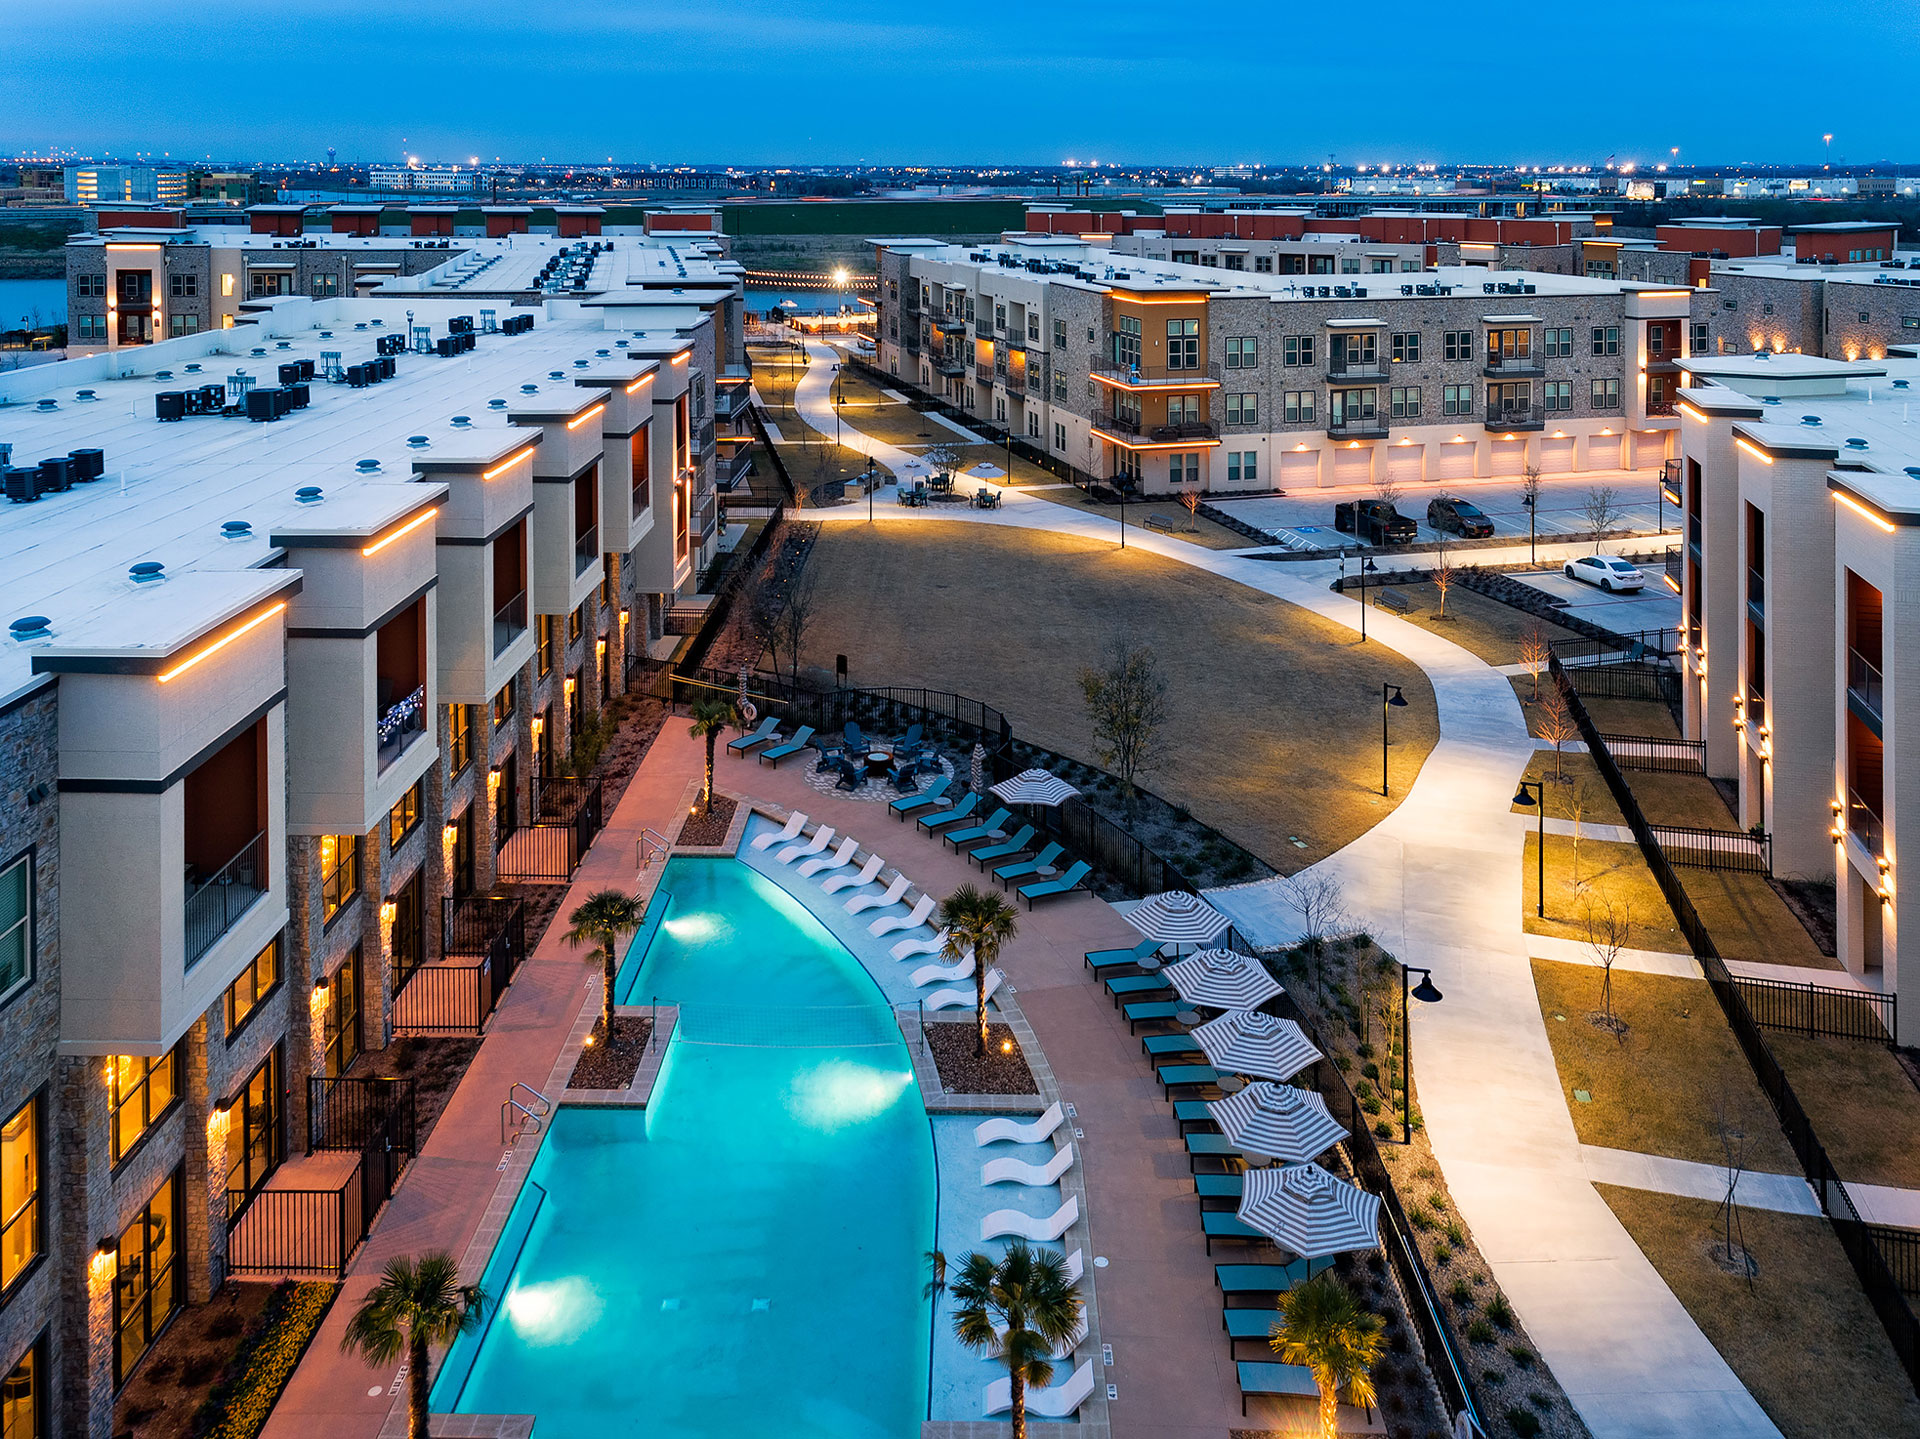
x=1534 y=654
x=1319 y=900
x=1609 y=925
x=1603 y=511
x=1734 y=1146
x=1555 y=719
x=1191 y=499
x=1578 y=801
x=1127 y=707
x=1443 y=571
x=791 y=624
x=1385 y=487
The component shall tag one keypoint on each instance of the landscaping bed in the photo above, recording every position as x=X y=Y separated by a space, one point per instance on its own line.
x=1477 y=623
x=706 y=828
x=612 y=1065
x=1001 y=1070
x=434 y=1064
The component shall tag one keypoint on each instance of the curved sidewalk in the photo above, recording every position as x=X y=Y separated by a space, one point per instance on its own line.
x=1439 y=883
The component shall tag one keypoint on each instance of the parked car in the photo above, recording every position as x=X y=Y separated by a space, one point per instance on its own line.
x=1462 y=517
x=1609 y=572
x=1375 y=521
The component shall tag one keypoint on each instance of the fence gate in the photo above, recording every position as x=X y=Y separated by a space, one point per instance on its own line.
x=566 y=818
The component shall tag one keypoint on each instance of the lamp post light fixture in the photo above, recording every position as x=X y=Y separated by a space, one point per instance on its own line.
x=868 y=479
x=1530 y=793
x=1427 y=993
x=1390 y=699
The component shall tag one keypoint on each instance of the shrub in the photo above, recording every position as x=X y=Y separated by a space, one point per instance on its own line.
x=1369 y=1069
x=1500 y=1312
x=1523 y=1422
x=1522 y=1355
x=1344 y=1062
x=263 y=1367
x=1384 y=1129
x=1456 y=1236
x=1442 y=1254
x=1479 y=1332
x=1461 y=1293
x=1366 y=1052
x=1362 y=1090
x=1420 y=1219
x=1437 y=1202
x=1370 y=1104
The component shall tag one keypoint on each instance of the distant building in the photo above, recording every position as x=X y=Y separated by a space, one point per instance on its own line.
x=229 y=187
x=125 y=184
x=442 y=179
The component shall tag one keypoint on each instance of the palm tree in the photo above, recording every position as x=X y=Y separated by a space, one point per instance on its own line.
x=414 y=1305
x=1022 y=1304
x=600 y=920
x=1323 y=1327
x=710 y=720
x=977 y=922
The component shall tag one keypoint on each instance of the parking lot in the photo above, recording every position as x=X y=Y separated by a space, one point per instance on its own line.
x=1655 y=607
x=1562 y=510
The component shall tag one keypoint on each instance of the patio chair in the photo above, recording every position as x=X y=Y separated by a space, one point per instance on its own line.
x=1166 y=1046
x=928 y=974
x=1015 y=843
x=964 y=998
x=1194 y=1111
x=926 y=799
x=764 y=735
x=913 y=919
x=1056 y=1402
x=1033 y=1176
x=1099 y=959
x=1238 y=1279
x=792 y=747
x=1294 y=1381
x=1213 y=1146
x=852 y=772
x=1048 y=888
x=973 y=834
x=795 y=823
x=913 y=948
x=866 y=874
x=911 y=739
x=857 y=743
x=822 y=837
x=1219 y=1186
x=1120 y=986
x=1214 y=1224
x=957 y=814
x=1014 y=1131
x=1024 y=869
x=893 y=894
x=1183 y=1076
x=841 y=856
x=1040 y=1228
x=1151 y=1011
x=906 y=775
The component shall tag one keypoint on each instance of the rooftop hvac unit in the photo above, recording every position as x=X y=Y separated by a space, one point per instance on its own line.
x=170 y=405
x=23 y=484
x=88 y=465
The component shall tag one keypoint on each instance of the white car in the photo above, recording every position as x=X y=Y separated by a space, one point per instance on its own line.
x=1607 y=571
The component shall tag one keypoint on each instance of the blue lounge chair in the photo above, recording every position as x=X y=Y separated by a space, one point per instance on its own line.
x=1177 y=1076
x=1265 y=1278
x=764 y=735
x=1292 y=1380
x=1167 y=1046
x=1248 y=1324
x=1212 y=1146
x=974 y=833
x=856 y=741
x=1151 y=1011
x=1047 y=888
x=1015 y=843
x=1194 y=1111
x=1099 y=959
x=927 y=798
x=1219 y=1186
x=1046 y=859
x=793 y=746
x=852 y=772
x=958 y=814
x=1136 y=984
x=1215 y=1224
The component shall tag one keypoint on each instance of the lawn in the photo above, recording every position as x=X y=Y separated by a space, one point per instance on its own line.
x=1273 y=714
x=1802 y=1336
x=1607 y=871
x=1650 y=718
x=1663 y=1086
x=1477 y=623
x=1862 y=1103
x=1193 y=528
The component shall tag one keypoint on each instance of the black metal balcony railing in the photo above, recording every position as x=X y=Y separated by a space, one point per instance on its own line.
x=216 y=901
x=1516 y=417
x=707 y=438
x=1339 y=367
x=1358 y=427
x=1117 y=424
x=1755 y=710
x=1693 y=532
x=950 y=365
x=509 y=623
x=1864 y=823
x=403 y=721
x=1863 y=683
x=1502 y=366
x=1185 y=430
x=730 y=400
x=1673 y=567
x=586 y=549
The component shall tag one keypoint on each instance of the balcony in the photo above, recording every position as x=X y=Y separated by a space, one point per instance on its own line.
x=706 y=439
x=400 y=725
x=1755 y=710
x=1353 y=427
x=730 y=400
x=1514 y=367
x=1185 y=430
x=216 y=901
x=586 y=550
x=948 y=324
x=1118 y=424
x=983 y=374
x=1516 y=417
x=950 y=365
x=1693 y=535
x=1864 y=689
x=1864 y=822
x=1658 y=408
x=1125 y=377
x=509 y=623
x=1340 y=368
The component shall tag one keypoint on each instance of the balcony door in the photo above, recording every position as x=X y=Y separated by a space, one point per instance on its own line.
x=255 y=1137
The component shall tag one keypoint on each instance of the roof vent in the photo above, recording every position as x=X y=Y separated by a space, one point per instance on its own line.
x=283 y=344
x=461 y=422
x=418 y=442
x=308 y=494
x=359 y=324
x=235 y=530
x=146 y=572
x=194 y=368
x=1769 y=399
x=1810 y=419
x=579 y=364
x=85 y=397
x=529 y=389
x=257 y=351
x=326 y=334
x=163 y=374
x=1899 y=384
x=1854 y=442
x=368 y=467
x=604 y=353
x=553 y=375
x=379 y=324
x=45 y=406
x=30 y=627
x=496 y=404
x=1914 y=471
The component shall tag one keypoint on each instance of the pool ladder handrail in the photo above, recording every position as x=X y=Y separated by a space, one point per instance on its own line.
x=650 y=846
x=534 y=1117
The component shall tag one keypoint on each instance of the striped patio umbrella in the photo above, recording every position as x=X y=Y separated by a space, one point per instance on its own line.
x=1177 y=917
x=1305 y=1209
x=1035 y=786
x=1245 y=1041
x=978 y=777
x=1279 y=1120
x=1223 y=979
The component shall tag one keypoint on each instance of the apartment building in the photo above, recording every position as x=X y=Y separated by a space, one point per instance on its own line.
x=122 y=184
x=299 y=615
x=1800 y=480
x=1174 y=377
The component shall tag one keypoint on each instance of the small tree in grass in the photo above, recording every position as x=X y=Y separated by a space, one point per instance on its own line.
x=1554 y=716
x=415 y=1305
x=1127 y=706
x=1318 y=899
x=1609 y=925
x=1443 y=571
x=792 y=623
x=1603 y=511
x=1190 y=499
x=1322 y=1327
x=1534 y=653
x=600 y=920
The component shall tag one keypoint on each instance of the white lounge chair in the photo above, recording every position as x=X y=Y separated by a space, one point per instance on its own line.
x=866 y=874
x=1076 y=1266
x=795 y=823
x=1055 y=1403
x=913 y=948
x=1041 y=1228
x=894 y=893
x=1034 y=1176
x=942 y=973
x=963 y=998
x=822 y=837
x=921 y=909
x=841 y=856
x=1014 y=1131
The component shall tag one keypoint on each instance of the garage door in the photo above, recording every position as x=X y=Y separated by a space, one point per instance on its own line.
x=1405 y=463
x=1509 y=456
x=1603 y=452
x=1453 y=462
x=1352 y=467
x=1649 y=449
x=1299 y=471
x=1556 y=456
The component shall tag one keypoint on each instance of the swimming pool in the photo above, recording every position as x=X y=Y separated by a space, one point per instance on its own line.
x=749 y=1248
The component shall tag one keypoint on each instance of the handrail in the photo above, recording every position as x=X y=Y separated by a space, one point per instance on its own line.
x=650 y=846
x=506 y=1113
x=546 y=1104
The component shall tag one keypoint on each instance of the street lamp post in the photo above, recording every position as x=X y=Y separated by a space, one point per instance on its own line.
x=1530 y=793
x=1426 y=992
x=1390 y=699
x=869 y=484
x=1123 y=515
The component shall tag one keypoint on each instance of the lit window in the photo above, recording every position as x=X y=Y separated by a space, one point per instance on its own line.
x=16 y=925
x=256 y=982
x=339 y=873
x=21 y=1237
x=140 y=1091
x=404 y=818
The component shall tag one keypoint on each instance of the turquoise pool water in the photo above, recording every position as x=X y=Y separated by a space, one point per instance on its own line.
x=746 y=1254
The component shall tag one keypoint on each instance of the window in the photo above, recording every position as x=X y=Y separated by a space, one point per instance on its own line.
x=642 y=456
x=1183 y=470
x=1297 y=406
x=90 y=287
x=339 y=873
x=325 y=286
x=1033 y=328
x=1656 y=340
x=503 y=704
x=1404 y=402
x=1354 y=352
x=1456 y=400
x=183 y=287
x=1263 y=264
x=1509 y=345
x=1059 y=334
x=1243 y=466
x=1243 y=409
x=1557 y=394
x=16 y=924
x=1457 y=344
x=1059 y=388
x=1243 y=354
x=183 y=324
x=22 y=1235
x=139 y=1092
x=1349 y=267
x=1557 y=344
x=459 y=738
x=1297 y=350
x=1000 y=318
x=1606 y=339
x=1605 y=395
x=146 y=1285
x=93 y=327
x=256 y=982
x=133 y=284
x=1033 y=424
x=1183 y=409
x=1183 y=344
x=1059 y=437
x=1701 y=342
x=576 y=624
x=340 y=1016
x=1406 y=348
x=1233 y=262
x=404 y=818
x=23 y=1414
x=1352 y=407
x=543 y=625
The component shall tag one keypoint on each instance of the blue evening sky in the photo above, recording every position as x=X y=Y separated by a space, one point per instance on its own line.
x=794 y=81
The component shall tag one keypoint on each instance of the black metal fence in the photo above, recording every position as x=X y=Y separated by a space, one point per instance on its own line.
x=1627 y=680
x=1857 y=1238
x=1657 y=755
x=446 y=998
x=1818 y=1010
x=1726 y=849
x=567 y=815
x=350 y=1113
x=1901 y=1249
x=317 y=1230
x=478 y=923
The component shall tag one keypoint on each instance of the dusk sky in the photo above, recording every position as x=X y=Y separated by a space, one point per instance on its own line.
x=771 y=81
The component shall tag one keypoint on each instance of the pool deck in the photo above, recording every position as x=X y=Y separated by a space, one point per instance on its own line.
x=1156 y=1301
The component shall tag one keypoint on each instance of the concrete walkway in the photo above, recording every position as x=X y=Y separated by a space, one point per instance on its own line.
x=1439 y=883
x=1785 y=1193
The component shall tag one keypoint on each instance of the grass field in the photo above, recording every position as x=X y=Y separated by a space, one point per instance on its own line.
x=1607 y=871
x=1476 y=623
x=1273 y=714
x=1863 y=1106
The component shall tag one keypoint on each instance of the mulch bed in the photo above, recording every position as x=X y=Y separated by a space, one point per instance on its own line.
x=709 y=828
x=435 y=1064
x=613 y=1066
x=1000 y=1071
x=167 y=1390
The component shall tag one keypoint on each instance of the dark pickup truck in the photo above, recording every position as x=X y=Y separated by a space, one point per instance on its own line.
x=1375 y=521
